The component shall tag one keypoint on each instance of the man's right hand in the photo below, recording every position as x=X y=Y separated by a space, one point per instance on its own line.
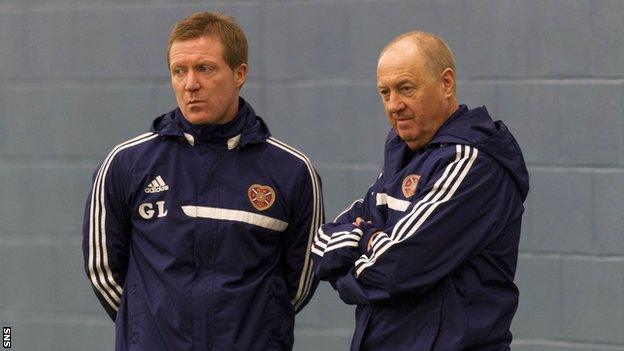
x=357 y=223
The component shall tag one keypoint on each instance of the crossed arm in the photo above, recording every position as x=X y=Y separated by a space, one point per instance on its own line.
x=456 y=214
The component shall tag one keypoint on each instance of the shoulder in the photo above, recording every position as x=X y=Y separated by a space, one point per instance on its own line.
x=457 y=157
x=116 y=168
x=289 y=155
x=129 y=150
x=300 y=170
x=134 y=142
x=453 y=151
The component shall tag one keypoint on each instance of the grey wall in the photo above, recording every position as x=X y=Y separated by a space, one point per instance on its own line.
x=77 y=77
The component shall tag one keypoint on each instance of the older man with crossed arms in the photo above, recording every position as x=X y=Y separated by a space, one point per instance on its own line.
x=429 y=254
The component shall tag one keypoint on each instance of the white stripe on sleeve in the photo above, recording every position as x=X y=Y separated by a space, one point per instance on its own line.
x=442 y=191
x=100 y=272
x=306 y=278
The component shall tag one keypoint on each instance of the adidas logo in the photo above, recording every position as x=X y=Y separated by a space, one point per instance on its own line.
x=157 y=185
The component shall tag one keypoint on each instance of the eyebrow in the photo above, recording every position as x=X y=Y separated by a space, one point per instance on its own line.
x=403 y=81
x=399 y=83
x=194 y=64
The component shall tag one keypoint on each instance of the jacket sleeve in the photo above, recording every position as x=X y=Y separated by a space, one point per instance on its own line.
x=452 y=219
x=106 y=231
x=335 y=249
x=306 y=216
x=340 y=225
x=336 y=243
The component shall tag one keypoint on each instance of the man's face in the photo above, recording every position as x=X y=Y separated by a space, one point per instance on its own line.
x=416 y=102
x=205 y=86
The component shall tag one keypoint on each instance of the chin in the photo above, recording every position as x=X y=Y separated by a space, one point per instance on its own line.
x=197 y=120
x=198 y=117
x=411 y=141
x=407 y=137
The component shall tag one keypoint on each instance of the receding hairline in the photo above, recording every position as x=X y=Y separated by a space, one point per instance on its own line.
x=438 y=56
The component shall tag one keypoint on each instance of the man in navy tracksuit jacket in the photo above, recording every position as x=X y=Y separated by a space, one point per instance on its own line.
x=429 y=254
x=197 y=235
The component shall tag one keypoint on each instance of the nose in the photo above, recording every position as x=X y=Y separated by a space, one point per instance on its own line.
x=192 y=83
x=394 y=104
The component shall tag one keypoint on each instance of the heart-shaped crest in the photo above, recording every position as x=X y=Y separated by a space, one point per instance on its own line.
x=409 y=185
x=261 y=196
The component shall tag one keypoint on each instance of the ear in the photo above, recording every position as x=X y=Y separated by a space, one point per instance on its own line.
x=448 y=82
x=240 y=75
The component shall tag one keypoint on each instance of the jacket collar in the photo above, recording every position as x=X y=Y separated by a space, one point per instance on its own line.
x=245 y=128
x=475 y=127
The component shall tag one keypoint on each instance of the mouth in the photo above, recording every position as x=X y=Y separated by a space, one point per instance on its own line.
x=401 y=116
x=403 y=119
x=403 y=123
x=194 y=102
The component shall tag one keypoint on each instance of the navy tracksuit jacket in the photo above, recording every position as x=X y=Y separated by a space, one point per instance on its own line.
x=198 y=238
x=440 y=274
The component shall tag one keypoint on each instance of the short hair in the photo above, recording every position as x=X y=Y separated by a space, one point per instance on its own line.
x=438 y=56
x=224 y=27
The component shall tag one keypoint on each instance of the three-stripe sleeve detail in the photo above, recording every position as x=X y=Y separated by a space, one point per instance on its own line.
x=324 y=243
x=100 y=272
x=321 y=239
x=320 y=242
x=441 y=192
x=307 y=273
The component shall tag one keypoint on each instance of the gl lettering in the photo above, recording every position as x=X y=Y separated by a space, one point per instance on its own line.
x=147 y=211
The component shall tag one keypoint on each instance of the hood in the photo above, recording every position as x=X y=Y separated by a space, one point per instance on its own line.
x=476 y=128
x=250 y=127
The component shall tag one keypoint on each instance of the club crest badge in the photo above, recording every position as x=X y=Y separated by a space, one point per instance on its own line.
x=261 y=196
x=409 y=185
